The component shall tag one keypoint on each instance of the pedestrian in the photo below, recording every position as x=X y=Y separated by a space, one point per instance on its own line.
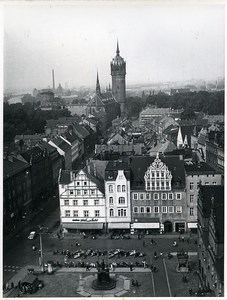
x=190 y=291
x=160 y=254
x=137 y=283
x=155 y=254
x=131 y=268
x=182 y=239
x=12 y=285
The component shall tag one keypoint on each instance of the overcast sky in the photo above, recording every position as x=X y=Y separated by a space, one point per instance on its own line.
x=158 y=42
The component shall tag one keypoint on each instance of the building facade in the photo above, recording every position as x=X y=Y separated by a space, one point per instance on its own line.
x=158 y=194
x=117 y=192
x=17 y=197
x=198 y=174
x=211 y=238
x=118 y=72
x=82 y=201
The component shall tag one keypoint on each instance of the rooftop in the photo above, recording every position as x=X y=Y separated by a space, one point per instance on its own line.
x=198 y=168
x=12 y=166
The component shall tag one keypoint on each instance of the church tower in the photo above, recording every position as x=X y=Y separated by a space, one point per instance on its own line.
x=118 y=72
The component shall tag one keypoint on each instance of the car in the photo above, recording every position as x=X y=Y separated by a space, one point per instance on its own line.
x=32 y=235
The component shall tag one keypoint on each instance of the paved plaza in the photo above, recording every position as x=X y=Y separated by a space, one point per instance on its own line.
x=66 y=282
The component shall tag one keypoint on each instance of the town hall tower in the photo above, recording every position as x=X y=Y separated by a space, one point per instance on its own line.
x=118 y=72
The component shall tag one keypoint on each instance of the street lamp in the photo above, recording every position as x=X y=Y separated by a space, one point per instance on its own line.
x=41 y=260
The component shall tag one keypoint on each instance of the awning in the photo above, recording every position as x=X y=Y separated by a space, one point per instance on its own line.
x=119 y=225
x=83 y=225
x=192 y=225
x=146 y=225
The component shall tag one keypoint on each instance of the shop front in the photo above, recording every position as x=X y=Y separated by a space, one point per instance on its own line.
x=192 y=227
x=119 y=228
x=83 y=227
x=145 y=226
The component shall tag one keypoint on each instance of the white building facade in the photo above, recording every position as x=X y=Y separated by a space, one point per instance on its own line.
x=82 y=201
x=117 y=191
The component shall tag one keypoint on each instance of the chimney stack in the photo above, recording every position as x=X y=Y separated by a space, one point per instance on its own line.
x=53 y=80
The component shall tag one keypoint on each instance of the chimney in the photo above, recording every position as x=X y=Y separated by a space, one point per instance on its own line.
x=53 y=80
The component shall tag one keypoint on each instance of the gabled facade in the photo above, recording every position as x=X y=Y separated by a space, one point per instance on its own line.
x=117 y=191
x=63 y=149
x=82 y=201
x=158 y=194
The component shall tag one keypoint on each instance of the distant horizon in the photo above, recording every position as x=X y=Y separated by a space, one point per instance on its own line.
x=128 y=85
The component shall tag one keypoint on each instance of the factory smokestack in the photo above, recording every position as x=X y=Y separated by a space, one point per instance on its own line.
x=53 y=80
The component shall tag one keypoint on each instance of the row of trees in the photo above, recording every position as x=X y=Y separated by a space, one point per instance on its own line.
x=209 y=103
x=26 y=119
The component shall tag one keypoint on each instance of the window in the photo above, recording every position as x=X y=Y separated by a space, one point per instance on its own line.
x=67 y=213
x=97 y=213
x=66 y=202
x=178 y=196
x=75 y=202
x=85 y=192
x=86 y=213
x=92 y=192
x=191 y=211
x=191 y=185
x=148 y=196
x=118 y=188
x=152 y=174
x=141 y=197
x=164 y=196
x=148 y=186
x=162 y=184
x=121 y=212
x=71 y=192
x=156 y=196
x=178 y=209
x=78 y=192
x=170 y=196
x=75 y=213
x=156 y=209
x=85 y=202
x=214 y=183
x=111 y=200
x=162 y=175
x=96 y=202
x=170 y=209
x=85 y=183
x=123 y=188
x=158 y=174
x=110 y=188
x=111 y=212
x=121 y=200
x=148 y=209
x=191 y=198
x=142 y=210
x=135 y=209
x=135 y=196
x=78 y=183
x=164 y=209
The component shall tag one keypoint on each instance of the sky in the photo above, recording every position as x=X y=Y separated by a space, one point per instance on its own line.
x=160 y=43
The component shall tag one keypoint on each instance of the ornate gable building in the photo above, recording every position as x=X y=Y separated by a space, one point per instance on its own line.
x=158 y=194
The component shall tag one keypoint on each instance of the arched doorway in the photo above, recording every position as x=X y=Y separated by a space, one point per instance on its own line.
x=168 y=226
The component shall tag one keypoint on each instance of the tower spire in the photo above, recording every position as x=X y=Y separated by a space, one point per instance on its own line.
x=118 y=51
x=97 y=83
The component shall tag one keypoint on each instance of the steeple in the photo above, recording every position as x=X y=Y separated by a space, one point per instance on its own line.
x=97 y=84
x=118 y=51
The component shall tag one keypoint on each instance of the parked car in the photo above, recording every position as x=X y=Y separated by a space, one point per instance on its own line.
x=32 y=235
